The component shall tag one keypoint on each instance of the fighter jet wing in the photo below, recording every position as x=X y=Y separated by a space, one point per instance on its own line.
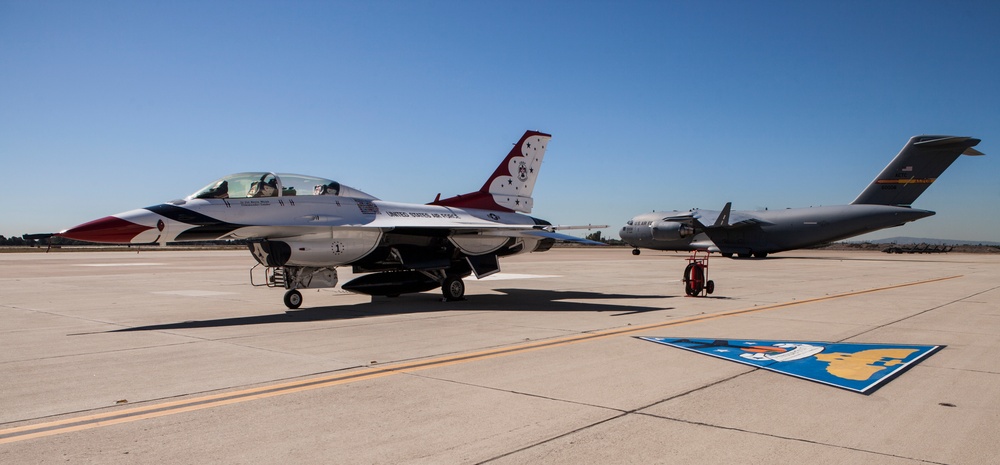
x=560 y=237
x=435 y=226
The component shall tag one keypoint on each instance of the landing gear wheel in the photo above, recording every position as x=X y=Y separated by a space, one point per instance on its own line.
x=635 y=251
x=453 y=288
x=727 y=254
x=743 y=255
x=293 y=299
x=760 y=254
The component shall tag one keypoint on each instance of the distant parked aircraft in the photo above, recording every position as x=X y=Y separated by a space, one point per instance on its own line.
x=885 y=203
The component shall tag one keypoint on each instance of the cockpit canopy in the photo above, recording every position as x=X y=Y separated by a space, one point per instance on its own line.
x=255 y=185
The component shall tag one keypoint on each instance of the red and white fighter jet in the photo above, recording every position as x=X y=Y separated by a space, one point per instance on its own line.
x=300 y=228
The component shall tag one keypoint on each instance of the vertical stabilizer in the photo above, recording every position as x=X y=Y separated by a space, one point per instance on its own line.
x=914 y=169
x=510 y=186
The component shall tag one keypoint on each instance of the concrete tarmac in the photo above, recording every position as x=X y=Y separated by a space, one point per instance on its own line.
x=172 y=357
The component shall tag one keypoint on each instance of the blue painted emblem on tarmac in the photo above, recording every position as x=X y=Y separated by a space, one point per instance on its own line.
x=861 y=368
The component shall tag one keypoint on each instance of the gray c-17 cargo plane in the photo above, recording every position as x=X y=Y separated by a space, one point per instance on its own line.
x=885 y=203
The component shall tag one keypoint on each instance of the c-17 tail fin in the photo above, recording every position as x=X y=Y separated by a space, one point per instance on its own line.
x=913 y=170
x=509 y=187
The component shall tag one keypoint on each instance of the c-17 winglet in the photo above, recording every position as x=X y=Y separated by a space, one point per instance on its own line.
x=723 y=219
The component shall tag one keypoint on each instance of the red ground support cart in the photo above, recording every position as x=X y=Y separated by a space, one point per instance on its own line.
x=696 y=282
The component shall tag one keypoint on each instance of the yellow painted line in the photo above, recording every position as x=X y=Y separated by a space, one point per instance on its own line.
x=131 y=414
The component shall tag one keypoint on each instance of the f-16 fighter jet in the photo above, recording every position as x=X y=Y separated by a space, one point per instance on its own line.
x=301 y=228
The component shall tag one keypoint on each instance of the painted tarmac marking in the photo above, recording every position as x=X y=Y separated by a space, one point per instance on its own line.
x=81 y=423
x=854 y=366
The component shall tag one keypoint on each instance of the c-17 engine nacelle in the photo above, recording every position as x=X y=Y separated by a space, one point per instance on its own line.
x=671 y=230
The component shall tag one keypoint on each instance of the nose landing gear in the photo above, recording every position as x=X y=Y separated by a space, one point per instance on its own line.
x=696 y=282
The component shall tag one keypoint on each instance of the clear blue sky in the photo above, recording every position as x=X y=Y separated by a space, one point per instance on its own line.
x=106 y=106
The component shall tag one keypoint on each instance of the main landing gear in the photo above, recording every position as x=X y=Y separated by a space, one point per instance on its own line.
x=696 y=282
x=293 y=299
x=453 y=288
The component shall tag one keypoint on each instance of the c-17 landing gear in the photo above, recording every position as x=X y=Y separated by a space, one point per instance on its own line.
x=696 y=275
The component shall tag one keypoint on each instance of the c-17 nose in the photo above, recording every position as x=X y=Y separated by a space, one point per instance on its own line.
x=109 y=229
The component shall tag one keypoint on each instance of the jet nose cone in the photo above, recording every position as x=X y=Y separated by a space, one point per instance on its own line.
x=109 y=229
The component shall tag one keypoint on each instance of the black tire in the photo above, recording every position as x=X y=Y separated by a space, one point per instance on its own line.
x=635 y=251
x=743 y=255
x=760 y=254
x=727 y=254
x=453 y=288
x=293 y=299
x=710 y=286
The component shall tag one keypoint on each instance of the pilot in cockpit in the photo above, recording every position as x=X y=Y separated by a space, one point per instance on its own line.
x=220 y=191
x=264 y=189
x=327 y=189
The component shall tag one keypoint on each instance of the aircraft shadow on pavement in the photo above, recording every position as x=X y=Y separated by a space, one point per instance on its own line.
x=847 y=258
x=516 y=300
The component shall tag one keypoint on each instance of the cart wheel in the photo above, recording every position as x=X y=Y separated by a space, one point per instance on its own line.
x=293 y=299
x=694 y=281
x=710 y=286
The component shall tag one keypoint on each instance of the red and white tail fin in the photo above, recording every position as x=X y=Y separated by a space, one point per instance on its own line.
x=510 y=186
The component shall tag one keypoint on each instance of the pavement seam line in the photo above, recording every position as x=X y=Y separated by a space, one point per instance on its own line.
x=786 y=438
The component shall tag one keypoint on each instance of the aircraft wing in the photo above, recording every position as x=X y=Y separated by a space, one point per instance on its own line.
x=501 y=230
x=318 y=225
x=560 y=237
x=739 y=220
x=714 y=219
